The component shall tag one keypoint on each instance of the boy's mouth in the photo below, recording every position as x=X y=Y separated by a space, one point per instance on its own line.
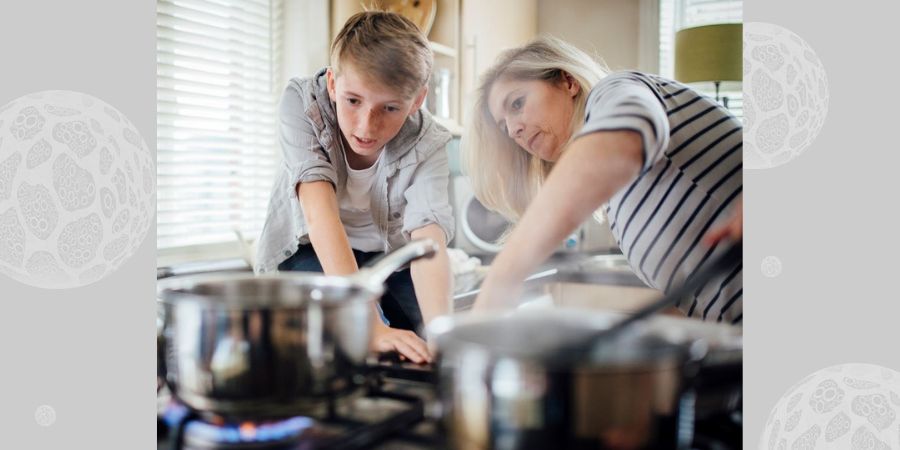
x=364 y=142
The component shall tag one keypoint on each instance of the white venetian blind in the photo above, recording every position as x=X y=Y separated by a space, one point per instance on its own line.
x=218 y=84
x=677 y=14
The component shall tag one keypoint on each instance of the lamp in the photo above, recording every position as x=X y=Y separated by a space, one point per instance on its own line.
x=710 y=53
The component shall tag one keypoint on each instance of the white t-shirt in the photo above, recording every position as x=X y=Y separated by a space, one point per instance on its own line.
x=355 y=204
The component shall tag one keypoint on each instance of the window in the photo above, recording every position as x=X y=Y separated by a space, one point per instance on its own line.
x=677 y=14
x=218 y=84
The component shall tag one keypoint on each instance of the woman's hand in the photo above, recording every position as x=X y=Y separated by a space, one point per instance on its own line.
x=733 y=229
x=496 y=293
x=405 y=342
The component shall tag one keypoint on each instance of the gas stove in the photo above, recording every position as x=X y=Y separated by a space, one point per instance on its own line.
x=395 y=410
x=388 y=412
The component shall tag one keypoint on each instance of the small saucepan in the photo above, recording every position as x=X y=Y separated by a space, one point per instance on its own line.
x=276 y=345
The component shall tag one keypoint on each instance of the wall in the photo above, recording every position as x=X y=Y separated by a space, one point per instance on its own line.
x=306 y=37
x=609 y=29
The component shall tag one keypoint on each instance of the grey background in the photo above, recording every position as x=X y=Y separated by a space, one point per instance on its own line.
x=87 y=352
x=828 y=215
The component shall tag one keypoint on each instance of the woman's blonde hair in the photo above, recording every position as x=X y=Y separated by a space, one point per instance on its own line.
x=386 y=46
x=504 y=176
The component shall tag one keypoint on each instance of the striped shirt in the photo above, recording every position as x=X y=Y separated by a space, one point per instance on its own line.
x=691 y=180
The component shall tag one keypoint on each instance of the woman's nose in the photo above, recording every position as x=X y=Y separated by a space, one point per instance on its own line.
x=515 y=130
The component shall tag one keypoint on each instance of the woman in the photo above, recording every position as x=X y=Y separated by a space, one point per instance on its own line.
x=554 y=137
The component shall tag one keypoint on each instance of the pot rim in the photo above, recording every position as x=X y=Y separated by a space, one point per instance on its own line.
x=659 y=338
x=178 y=289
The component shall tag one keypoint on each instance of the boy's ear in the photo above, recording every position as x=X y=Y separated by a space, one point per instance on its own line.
x=419 y=100
x=329 y=74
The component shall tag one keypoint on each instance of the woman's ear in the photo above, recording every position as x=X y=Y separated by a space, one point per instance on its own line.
x=570 y=84
x=329 y=74
x=419 y=100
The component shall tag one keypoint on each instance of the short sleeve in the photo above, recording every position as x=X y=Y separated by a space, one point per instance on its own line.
x=627 y=102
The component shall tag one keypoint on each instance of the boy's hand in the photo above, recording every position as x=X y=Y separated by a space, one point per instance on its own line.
x=405 y=342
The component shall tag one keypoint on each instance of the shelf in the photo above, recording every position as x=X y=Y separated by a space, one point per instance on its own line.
x=441 y=49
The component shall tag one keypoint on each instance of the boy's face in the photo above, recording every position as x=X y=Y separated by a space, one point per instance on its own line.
x=369 y=113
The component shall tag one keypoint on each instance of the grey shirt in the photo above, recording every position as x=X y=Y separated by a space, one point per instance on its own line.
x=411 y=181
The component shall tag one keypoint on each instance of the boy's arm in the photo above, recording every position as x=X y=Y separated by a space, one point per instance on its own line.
x=431 y=277
x=428 y=214
x=329 y=240
x=326 y=232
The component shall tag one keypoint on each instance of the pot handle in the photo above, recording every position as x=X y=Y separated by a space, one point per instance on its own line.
x=160 y=351
x=378 y=273
x=717 y=380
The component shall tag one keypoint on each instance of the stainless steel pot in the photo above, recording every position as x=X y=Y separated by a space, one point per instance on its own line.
x=574 y=379
x=275 y=345
x=505 y=385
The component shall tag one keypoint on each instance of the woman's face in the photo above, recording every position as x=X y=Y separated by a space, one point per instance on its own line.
x=536 y=114
x=369 y=113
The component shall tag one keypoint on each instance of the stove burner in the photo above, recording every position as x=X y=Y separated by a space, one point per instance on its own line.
x=350 y=423
x=192 y=432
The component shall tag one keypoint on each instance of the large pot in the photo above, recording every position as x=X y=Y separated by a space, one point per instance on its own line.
x=275 y=345
x=556 y=378
x=505 y=384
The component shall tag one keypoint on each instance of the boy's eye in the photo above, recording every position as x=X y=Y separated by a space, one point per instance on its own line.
x=353 y=101
x=391 y=108
x=517 y=103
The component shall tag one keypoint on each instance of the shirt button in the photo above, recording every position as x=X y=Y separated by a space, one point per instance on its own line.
x=287 y=253
x=396 y=215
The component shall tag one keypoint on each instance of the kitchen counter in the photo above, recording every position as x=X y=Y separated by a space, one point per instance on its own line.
x=561 y=269
x=569 y=271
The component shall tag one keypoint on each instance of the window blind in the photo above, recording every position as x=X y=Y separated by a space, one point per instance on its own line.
x=218 y=84
x=677 y=14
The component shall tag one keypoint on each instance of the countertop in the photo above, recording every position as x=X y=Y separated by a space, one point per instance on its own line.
x=590 y=268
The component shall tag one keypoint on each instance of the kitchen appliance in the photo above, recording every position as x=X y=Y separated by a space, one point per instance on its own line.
x=478 y=229
x=392 y=403
x=275 y=345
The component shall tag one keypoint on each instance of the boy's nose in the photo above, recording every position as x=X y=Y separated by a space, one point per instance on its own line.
x=371 y=120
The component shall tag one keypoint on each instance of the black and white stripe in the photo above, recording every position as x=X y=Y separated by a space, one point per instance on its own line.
x=691 y=180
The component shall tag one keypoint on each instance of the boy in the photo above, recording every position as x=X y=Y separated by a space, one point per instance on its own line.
x=365 y=171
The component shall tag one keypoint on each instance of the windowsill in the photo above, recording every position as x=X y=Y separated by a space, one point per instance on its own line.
x=207 y=253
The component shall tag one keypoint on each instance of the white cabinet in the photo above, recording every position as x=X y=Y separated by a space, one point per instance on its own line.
x=488 y=28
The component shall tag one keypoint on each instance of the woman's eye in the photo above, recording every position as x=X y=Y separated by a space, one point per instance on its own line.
x=517 y=103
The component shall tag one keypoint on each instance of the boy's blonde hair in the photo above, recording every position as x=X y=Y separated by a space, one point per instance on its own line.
x=386 y=46
x=504 y=176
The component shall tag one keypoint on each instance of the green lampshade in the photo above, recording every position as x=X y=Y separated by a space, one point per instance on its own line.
x=709 y=53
